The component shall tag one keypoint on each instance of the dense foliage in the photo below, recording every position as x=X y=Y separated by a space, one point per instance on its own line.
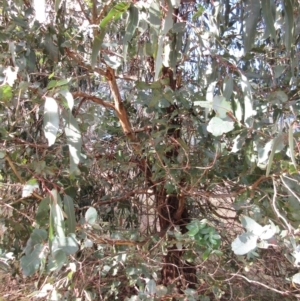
x=149 y=150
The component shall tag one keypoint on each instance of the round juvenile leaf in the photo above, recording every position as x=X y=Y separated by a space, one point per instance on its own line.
x=217 y=126
x=91 y=216
x=221 y=106
x=244 y=243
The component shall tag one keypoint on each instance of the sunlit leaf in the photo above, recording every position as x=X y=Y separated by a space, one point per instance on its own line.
x=91 y=216
x=244 y=243
x=11 y=75
x=296 y=278
x=115 y=13
x=74 y=141
x=58 y=219
x=218 y=127
x=221 y=106
x=68 y=244
x=51 y=120
x=133 y=20
x=69 y=97
x=248 y=101
x=291 y=144
x=30 y=186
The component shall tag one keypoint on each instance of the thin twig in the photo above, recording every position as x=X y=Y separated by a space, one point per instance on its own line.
x=275 y=208
x=261 y=284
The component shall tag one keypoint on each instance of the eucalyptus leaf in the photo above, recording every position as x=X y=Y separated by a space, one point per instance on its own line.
x=51 y=120
x=251 y=16
x=31 y=186
x=268 y=17
x=31 y=262
x=70 y=212
x=91 y=216
x=244 y=243
x=74 y=142
x=289 y=24
x=218 y=126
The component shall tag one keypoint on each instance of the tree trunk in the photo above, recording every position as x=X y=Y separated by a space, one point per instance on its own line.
x=173 y=212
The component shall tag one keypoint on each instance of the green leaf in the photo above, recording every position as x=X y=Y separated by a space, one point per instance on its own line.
x=42 y=215
x=30 y=187
x=195 y=226
x=155 y=15
x=56 y=260
x=68 y=244
x=251 y=16
x=115 y=13
x=228 y=87
x=291 y=144
x=31 y=262
x=199 y=12
x=218 y=127
x=268 y=17
x=51 y=47
x=168 y=22
x=51 y=120
x=277 y=97
x=96 y=46
x=179 y=27
x=159 y=58
x=278 y=70
x=277 y=145
x=57 y=83
x=5 y=93
x=133 y=20
x=74 y=142
x=289 y=24
x=58 y=219
x=70 y=212
x=91 y=216
x=38 y=236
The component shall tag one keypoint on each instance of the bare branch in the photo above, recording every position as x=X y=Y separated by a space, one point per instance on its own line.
x=94 y=99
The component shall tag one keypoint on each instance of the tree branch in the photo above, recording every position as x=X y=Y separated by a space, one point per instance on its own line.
x=119 y=107
x=94 y=99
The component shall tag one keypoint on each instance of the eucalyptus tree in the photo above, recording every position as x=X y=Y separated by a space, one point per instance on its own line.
x=138 y=138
